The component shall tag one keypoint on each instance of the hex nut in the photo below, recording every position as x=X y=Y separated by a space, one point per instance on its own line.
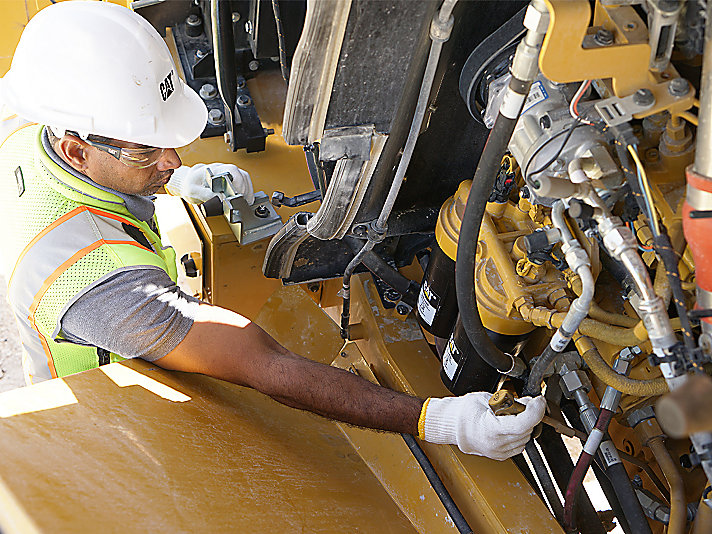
x=679 y=87
x=644 y=97
x=604 y=37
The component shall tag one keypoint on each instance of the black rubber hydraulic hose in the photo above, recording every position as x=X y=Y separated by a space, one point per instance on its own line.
x=482 y=184
x=457 y=518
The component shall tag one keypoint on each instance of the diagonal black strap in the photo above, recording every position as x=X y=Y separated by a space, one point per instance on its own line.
x=103 y=355
x=137 y=235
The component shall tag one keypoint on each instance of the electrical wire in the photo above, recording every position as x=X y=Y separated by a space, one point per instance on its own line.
x=568 y=132
x=575 y=100
x=645 y=187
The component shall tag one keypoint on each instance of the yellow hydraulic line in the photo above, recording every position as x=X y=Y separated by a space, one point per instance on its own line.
x=678 y=503
x=624 y=384
x=703 y=519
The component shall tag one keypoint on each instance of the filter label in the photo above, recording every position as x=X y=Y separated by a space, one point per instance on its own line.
x=427 y=304
x=449 y=362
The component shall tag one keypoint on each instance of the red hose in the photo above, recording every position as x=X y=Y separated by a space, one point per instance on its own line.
x=697 y=233
x=579 y=473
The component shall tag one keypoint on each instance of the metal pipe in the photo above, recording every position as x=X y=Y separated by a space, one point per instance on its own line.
x=703 y=155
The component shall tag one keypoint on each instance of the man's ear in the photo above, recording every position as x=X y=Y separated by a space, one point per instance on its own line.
x=72 y=150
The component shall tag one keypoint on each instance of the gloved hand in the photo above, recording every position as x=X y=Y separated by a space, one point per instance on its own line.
x=469 y=423
x=191 y=183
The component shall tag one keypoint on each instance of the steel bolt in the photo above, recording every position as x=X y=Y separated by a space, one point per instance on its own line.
x=235 y=17
x=243 y=101
x=545 y=122
x=240 y=82
x=208 y=91
x=644 y=97
x=604 y=37
x=253 y=65
x=392 y=295
x=199 y=54
x=268 y=131
x=262 y=211
x=402 y=309
x=248 y=27
x=228 y=138
x=314 y=287
x=679 y=87
x=216 y=117
x=193 y=25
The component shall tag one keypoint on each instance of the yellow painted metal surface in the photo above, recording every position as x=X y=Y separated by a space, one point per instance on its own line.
x=133 y=448
x=564 y=59
x=391 y=461
x=493 y=496
x=233 y=273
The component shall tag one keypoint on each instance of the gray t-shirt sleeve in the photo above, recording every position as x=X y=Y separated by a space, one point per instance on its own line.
x=137 y=313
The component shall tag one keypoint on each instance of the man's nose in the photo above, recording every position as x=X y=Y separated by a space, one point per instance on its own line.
x=168 y=160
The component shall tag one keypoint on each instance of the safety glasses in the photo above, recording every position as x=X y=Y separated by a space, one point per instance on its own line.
x=139 y=158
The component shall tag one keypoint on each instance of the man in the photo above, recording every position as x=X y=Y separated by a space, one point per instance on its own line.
x=89 y=279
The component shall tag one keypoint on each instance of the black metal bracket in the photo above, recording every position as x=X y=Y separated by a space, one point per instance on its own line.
x=241 y=121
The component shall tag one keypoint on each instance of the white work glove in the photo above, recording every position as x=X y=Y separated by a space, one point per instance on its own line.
x=193 y=185
x=469 y=423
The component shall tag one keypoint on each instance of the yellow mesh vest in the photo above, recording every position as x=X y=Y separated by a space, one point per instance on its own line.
x=64 y=236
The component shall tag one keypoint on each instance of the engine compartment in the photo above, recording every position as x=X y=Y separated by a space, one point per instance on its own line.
x=532 y=183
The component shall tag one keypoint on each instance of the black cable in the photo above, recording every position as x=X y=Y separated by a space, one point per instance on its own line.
x=568 y=133
x=457 y=518
x=280 y=39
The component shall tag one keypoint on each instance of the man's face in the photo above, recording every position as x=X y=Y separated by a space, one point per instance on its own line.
x=106 y=170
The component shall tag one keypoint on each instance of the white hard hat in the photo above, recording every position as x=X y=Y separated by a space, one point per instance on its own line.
x=99 y=68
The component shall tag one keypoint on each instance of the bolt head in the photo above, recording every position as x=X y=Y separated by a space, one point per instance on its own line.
x=392 y=295
x=262 y=211
x=604 y=37
x=208 y=91
x=236 y=17
x=253 y=65
x=216 y=116
x=228 y=138
x=199 y=54
x=644 y=97
x=243 y=101
x=679 y=87
x=652 y=154
x=248 y=27
x=193 y=20
x=402 y=309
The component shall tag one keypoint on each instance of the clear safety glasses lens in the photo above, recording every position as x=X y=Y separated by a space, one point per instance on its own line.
x=139 y=158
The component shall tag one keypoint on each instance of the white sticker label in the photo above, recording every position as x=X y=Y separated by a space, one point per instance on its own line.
x=610 y=453
x=449 y=363
x=558 y=342
x=427 y=304
x=536 y=94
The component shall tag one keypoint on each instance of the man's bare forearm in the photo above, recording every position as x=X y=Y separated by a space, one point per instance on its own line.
x=225 y=345
x=338 y=394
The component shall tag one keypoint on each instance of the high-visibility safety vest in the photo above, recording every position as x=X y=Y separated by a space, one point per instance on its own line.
x=61 y=237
